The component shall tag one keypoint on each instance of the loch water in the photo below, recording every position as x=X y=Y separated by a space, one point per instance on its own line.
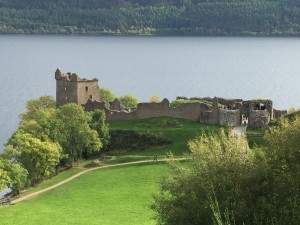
x=230 y=67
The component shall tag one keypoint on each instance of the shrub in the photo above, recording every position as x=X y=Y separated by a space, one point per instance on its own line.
x=226 y=183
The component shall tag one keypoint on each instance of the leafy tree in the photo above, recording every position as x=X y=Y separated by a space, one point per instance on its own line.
x=292 y=110
x=217 y=168
x=128 y=101
x=78 y=136
x=284 y=141
x=39 y=158
x=4 y=177
x=34 y=105
x=283 y=171
x=40 y=120
x=106 y=96
x=154 y=98
x=226 y=183
x=18 y=177
x=50 y=125
x=99 y=124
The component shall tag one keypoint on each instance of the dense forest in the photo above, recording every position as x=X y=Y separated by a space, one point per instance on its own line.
x=160 y=17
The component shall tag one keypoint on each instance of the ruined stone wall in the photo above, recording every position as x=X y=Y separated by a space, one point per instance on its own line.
x=232 y=102
x=258 y=118
x=205 y=116
x=91 y=105
x=279 y=113
x=198 y=112
x=115 y=105
x=246 y=108
x=88 y=89
x=71 y=88
x=147 y=110
x=229 y=117
x=190 y=111
x=249 y=106
x=269 y=107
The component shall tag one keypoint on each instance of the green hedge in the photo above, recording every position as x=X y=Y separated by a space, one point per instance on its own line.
x=131 y=140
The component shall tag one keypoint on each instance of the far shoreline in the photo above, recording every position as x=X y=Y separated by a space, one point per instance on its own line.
x=158 y=34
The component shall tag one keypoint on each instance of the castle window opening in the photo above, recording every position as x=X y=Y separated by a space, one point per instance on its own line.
x=86 y=88
x=91 y=96
x=260 y=106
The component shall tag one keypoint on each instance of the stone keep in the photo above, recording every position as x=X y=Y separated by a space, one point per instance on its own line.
x=70 y=88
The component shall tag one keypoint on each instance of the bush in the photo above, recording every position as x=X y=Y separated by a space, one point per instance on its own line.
x=226 y=183
x=218 y=166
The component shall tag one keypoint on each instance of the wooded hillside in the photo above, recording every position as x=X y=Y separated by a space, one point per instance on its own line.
x=174 y=17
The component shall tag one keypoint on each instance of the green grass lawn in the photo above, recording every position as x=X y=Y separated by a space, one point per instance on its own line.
x=51 y=181
x=179 y=135
x=255 y=137
x=107 y=196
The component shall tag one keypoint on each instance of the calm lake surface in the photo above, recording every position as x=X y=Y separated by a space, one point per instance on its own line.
x=143 y=66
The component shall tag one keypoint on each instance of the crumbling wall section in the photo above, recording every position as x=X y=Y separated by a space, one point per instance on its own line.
x=115 y=105
x=229 y=117
x=91 y=105
x=258 y=118
x=190 y=111
x=88 y=89
x=279 y=113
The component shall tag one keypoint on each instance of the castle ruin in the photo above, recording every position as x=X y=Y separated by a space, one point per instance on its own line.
x=228 y=112
x=71 y=88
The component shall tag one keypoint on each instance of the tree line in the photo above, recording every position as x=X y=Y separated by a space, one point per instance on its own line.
x=47 y=138
x=225 y=182
x=50 y=138
x=181 y=17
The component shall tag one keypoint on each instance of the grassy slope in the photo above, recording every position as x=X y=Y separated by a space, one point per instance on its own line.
x=109 y=196
x=54 y=180
x=179 y=135
x=255 y=140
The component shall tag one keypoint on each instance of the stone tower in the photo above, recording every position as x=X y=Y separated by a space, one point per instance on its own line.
x=71 y=88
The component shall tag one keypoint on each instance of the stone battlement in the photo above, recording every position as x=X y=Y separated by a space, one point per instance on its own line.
x=71 y=77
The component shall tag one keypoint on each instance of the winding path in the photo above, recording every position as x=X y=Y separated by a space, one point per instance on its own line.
x=83 y=172
x=239 y=130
